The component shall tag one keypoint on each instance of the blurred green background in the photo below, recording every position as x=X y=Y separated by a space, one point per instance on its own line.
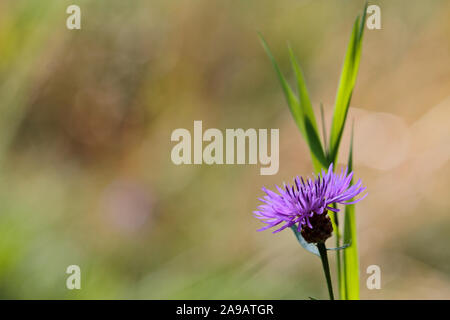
x=85 y=123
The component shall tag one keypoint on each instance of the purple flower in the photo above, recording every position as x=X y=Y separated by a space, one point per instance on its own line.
x=303 y=200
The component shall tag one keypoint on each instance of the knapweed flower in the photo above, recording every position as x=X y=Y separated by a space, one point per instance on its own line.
x=305 y=204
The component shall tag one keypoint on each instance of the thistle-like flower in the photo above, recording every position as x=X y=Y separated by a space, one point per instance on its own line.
x=305 y=204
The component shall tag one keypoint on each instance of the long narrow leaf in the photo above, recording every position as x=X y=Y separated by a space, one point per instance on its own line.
x=311 y=129
x=305 y=102
x=301 y=109
x=324 y=130
x=346 y=85
x=291 y=99
x=351 y=261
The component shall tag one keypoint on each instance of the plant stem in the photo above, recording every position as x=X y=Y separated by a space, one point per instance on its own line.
x=339 y=264
x=326 y=268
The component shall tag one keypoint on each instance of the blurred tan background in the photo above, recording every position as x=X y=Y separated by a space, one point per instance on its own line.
x=85 y=125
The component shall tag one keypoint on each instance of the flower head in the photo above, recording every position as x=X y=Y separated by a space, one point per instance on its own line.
x=302 y=203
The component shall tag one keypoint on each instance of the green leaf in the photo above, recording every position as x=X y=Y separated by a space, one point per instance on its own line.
x=324 y=130
x=300 y=108
x=351 y=261
x=305 y=102
x=308 y=246
x=312 y=133
x=291 y=99
x=346 y=85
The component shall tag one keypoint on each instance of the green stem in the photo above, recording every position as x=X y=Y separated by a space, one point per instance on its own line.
x=339 y=264
x=326 y=268
x=340 y=267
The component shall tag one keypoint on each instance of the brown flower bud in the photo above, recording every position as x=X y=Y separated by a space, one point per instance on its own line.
x=321 y=228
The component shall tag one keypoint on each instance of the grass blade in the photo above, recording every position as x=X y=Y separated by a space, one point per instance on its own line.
x=346 y=85
x=291 y=99
x=351 y=261
x=312 y=133
x=305 y=102
x=324 y=130
x=301 y=108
